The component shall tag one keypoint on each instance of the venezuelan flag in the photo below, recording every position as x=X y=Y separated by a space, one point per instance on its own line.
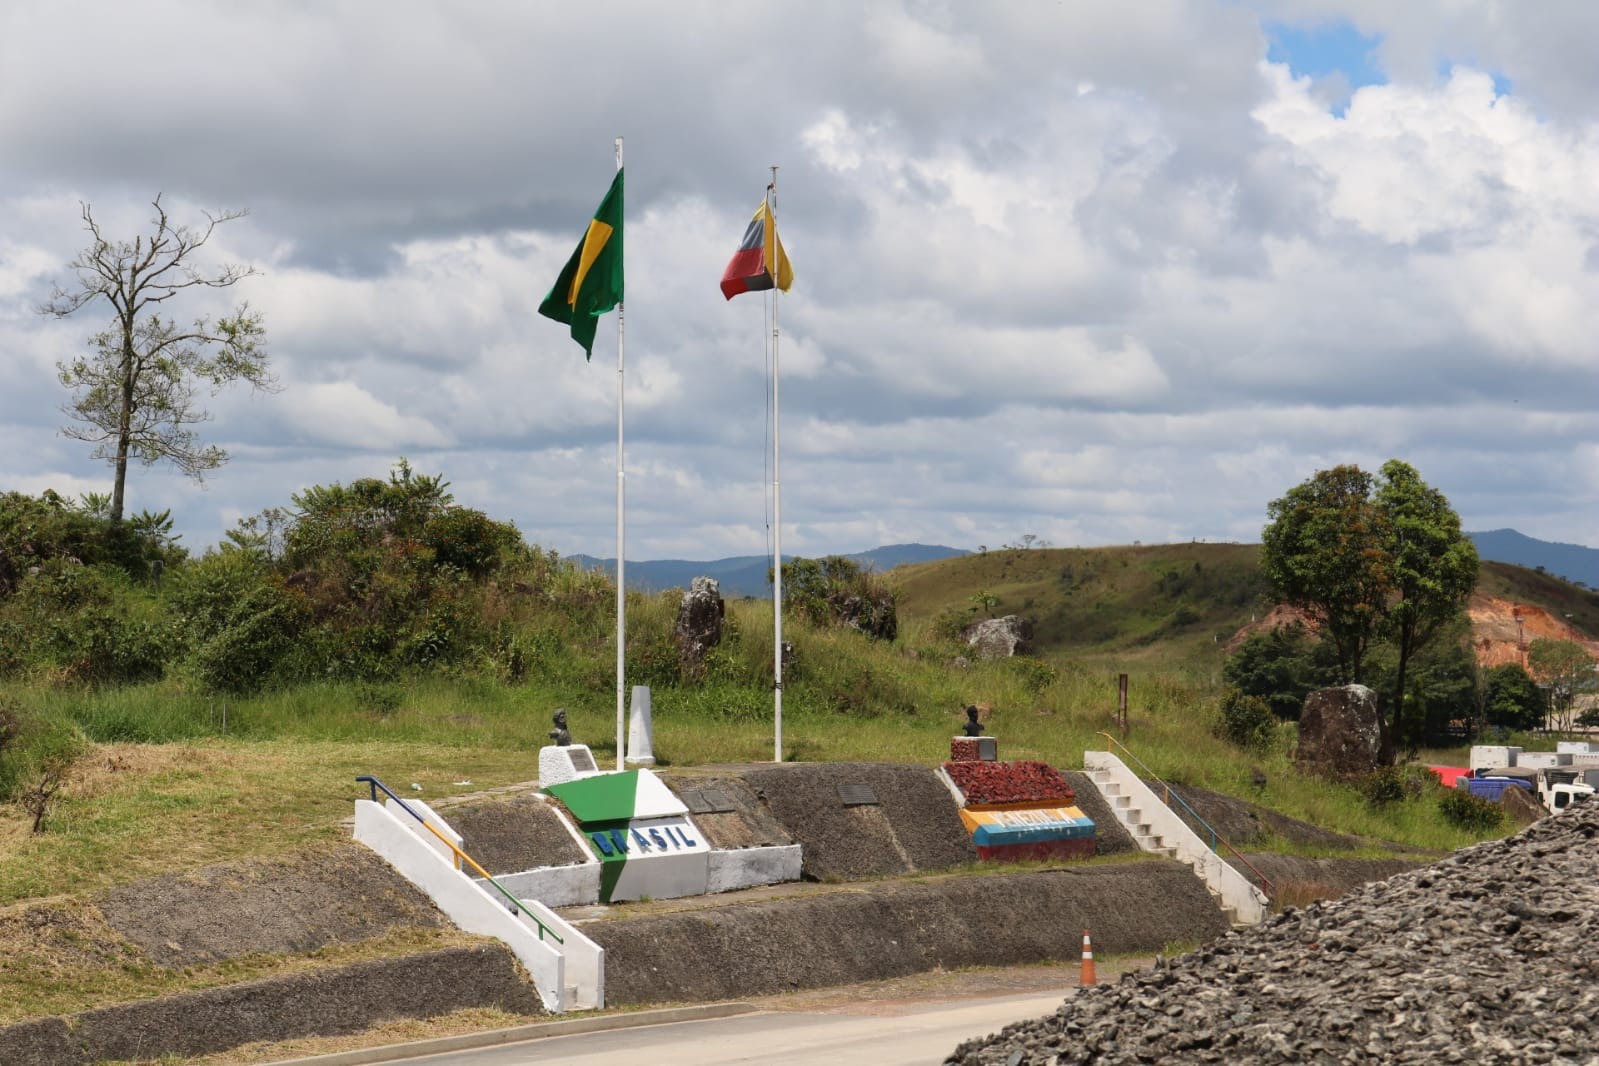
x=760 y=262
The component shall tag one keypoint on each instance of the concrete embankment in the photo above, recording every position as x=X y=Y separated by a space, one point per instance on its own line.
x=349 y=999
x=876 y=906
x=892 y=929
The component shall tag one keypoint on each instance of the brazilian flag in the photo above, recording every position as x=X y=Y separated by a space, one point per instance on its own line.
x=591 y=282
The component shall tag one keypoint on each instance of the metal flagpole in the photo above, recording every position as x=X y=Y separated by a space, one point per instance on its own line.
x=777 y=491
x=621 y=500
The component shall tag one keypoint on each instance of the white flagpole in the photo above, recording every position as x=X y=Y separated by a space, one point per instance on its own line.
x=621 y=502
x=777 y=497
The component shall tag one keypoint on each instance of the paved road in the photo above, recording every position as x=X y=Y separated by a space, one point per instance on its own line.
x=873 y=1034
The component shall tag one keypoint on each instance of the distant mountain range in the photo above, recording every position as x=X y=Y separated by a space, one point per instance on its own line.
x=745 y=575
x=1573 y=562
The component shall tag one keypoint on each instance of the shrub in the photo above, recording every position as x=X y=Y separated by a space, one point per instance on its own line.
x=1472 y=813
x=1245 y=721
x=837 y=591
x=1394 y=784
x=34 y=752
x=951 y=622
x=206 y=593
x=248 y=642
x=84 y=623
x=36 y=531
x=1035 y=674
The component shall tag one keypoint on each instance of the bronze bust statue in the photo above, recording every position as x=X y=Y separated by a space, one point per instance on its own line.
x=973 y=727
x=559 y=734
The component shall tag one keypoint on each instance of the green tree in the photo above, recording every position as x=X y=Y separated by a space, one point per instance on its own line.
x=1324 y=552
x=1440 y=693
x=1430 y=567
x=1509 y=697
x=1280 y=666
x=391 y=572
x=34 y=531
x=1371 y=559
x=135 y=393
x=1563 y=669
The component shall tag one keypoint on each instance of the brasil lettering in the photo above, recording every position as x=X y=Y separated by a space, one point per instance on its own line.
x=650 y=841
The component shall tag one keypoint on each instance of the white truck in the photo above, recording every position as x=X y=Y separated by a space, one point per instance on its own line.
x=1557 y=788
x=1560 y=790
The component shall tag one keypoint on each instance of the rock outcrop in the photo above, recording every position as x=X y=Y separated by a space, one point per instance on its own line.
x=1001 y=638
x=1342 y=733
x=699 y=624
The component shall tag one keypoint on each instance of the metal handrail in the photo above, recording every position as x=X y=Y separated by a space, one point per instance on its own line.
x=1215 y=837
x=460 y=855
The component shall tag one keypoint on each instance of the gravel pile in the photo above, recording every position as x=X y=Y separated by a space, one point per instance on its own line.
x=1489 y=956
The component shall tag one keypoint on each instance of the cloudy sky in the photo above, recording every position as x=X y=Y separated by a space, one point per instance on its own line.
x=1093 y=272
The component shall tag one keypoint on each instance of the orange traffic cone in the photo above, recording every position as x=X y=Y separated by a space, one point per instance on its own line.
x=1087 y=977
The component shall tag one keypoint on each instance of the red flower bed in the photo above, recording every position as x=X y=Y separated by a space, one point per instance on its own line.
x=1009 y=782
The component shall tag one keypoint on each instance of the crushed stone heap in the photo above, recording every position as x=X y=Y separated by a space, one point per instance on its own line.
x=1488 y=956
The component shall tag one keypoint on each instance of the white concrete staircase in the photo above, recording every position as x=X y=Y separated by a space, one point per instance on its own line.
x=1157 y=829
x=568 y=969
x=1132 y=818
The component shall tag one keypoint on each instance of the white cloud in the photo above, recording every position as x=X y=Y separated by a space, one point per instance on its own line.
x=342 y=414
x=1097 y=272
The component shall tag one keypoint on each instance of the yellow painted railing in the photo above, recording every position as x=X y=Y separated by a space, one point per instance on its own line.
x=461 y=856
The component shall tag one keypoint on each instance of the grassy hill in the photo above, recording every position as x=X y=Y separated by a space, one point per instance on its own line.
x=1170 y=605
x=167 y=758
x=1174 y=603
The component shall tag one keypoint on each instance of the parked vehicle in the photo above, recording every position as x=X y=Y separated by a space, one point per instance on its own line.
x=1560 y=790
x=1557 y=788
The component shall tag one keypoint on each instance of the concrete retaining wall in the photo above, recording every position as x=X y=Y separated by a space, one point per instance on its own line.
x=556 y=886
x=748 y=867
x=913 y=826
x=895 y=929
x=319 y=1003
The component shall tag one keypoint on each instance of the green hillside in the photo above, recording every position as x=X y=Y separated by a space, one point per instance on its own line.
x=1177 y=603
x=380 y=628
x=1172 y=604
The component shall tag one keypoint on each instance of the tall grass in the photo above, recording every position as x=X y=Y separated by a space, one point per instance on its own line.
x=212 y=777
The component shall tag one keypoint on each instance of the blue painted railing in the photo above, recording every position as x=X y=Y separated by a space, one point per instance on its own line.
x=1215 y=837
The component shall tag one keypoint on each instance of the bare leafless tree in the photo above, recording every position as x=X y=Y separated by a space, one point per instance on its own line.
x=135 y=391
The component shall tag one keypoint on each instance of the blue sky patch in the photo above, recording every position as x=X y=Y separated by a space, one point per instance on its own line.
x=1327 y=51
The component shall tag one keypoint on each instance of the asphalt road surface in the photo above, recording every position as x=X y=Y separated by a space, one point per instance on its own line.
x=870 y=1033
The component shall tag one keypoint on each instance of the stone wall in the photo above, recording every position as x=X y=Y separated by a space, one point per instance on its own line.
x=325 y=1002
x=891 y=929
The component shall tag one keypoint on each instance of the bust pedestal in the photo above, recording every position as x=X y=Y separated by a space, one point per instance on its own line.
x=565 y=762
x=973 y=749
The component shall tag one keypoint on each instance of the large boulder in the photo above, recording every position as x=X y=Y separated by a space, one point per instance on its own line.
x=699 y=623
x=1001 y=638
x=1342 y=733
